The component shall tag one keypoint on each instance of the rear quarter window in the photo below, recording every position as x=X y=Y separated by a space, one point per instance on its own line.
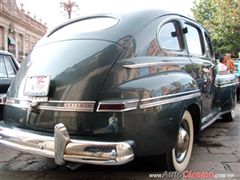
x=170 y=36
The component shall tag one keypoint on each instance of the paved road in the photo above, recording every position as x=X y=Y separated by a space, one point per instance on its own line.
x=217 y=153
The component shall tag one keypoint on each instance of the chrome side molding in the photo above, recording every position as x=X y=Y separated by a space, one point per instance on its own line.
x=119 y=105
x=167 y=99
x=64 y=106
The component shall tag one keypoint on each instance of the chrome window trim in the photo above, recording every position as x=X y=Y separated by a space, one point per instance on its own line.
x=158 y=102
x=161 y=24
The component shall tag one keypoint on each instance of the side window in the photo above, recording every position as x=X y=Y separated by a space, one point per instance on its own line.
x=3 y=72
x=209 y=45
x=170 y=37
x=6 y=67
x=10 y=67
x=193 y=39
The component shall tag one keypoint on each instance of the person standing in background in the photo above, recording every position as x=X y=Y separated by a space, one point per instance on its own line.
x=222 y=65
x=229 y=62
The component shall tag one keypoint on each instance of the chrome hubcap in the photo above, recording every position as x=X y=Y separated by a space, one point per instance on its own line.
x=182 y=142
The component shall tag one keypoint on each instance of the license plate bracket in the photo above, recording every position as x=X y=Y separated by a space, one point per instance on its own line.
x=37 y=86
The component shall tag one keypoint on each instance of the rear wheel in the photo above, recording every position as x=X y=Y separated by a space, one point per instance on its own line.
x=230 y=116
x=179 y=157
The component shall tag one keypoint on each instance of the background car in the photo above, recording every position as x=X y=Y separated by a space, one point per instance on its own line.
x=8 y=69
x=237 y=66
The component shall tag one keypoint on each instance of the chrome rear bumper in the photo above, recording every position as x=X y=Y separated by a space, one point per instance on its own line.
x=62 y=148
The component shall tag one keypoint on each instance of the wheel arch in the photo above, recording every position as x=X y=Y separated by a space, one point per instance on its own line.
x=195 y=112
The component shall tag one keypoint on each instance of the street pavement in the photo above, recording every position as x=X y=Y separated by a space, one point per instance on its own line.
x=216 y=155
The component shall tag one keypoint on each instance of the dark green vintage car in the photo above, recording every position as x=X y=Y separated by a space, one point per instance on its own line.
x=107 y=88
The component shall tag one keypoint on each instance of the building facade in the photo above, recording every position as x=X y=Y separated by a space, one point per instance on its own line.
x=18 y=31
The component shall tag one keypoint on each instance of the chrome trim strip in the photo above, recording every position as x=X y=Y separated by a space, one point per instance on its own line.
x=67 y=106
x=54 y=101
x=140 y=65
x=168 y=101
x=205 y=119
x=17 y=105
x=64 y=109
x=210 y=122
x=83 y=151
x=214 y=119
x=51 y=101
x=130 y=104
x=171 y=95
x=226 y=84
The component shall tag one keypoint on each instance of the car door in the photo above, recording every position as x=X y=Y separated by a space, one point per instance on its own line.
x=200 y=53
x=7 y=72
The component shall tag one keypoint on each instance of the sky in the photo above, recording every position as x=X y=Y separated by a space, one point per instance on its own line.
x=49 y=11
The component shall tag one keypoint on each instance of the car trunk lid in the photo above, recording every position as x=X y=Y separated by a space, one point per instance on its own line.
x=60 y=83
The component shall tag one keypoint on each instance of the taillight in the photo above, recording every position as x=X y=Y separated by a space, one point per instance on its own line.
x=117 y=105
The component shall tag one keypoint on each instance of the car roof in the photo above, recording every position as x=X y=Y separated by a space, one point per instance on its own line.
x=5 y=53
x=129 y=24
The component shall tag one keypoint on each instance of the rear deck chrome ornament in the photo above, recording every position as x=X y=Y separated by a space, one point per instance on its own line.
x=63 y=106
x=79 y=106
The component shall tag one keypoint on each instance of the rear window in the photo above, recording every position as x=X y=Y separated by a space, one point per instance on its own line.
x=87 y=25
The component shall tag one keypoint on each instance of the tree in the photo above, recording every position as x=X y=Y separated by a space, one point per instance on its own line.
x=222 y=19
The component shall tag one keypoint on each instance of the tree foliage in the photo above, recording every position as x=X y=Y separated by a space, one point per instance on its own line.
x=222 y=19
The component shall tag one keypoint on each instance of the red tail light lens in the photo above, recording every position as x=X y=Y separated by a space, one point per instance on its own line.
x=117 y=106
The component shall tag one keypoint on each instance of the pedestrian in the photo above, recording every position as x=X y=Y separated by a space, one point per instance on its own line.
x=222 y=67
x=229 y=62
